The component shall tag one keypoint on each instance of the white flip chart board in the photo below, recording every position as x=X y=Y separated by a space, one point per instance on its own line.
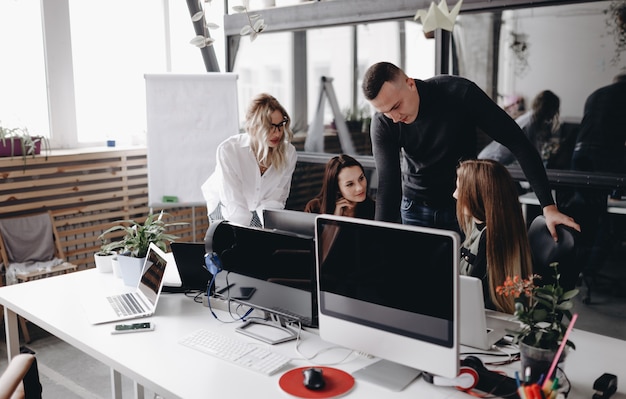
x=188 y=116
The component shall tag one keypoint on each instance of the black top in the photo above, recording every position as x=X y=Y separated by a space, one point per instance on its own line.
x=451 y=111
x=603 y=128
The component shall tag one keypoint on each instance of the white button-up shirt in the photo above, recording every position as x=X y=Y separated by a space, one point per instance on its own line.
x=238 y=185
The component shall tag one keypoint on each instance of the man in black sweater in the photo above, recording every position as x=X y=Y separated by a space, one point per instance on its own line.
x=433 y=124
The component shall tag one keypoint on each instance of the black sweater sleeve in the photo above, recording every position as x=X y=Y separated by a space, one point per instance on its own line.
x=498 y=125
x=386 y=149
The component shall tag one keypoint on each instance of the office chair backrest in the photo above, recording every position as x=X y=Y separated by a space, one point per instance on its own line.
x=545 y=251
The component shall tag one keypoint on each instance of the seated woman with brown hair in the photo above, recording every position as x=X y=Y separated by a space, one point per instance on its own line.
x=344 y=190
x=489 y=213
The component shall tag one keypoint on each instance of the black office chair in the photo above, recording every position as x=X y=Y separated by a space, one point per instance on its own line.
x=545 y=251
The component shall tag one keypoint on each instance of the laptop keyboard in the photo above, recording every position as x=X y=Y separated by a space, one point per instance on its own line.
x=125 y=305
x=235 y=351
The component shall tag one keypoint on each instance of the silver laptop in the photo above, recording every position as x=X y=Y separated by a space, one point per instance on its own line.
x=141 y=302
x=479 y=328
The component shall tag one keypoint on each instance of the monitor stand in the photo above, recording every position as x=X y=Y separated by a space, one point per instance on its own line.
x=269 y=331
x=390 y=375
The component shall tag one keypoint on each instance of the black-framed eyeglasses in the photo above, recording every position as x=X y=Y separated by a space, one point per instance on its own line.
x=278 y=126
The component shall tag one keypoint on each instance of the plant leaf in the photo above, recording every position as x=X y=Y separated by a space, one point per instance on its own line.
x=209 y=41
x=565 y=306
x=570 y=294
x=197 y=16
x=259 y=25
x=198 y=41
x=246 y=30
x=211 y=25
x=253 y=36
x=239 y=9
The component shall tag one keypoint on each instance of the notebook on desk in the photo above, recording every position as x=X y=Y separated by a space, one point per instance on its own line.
x=477 y=328
x=141 y=302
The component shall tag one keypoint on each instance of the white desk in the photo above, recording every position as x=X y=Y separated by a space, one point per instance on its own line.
x=156 y=361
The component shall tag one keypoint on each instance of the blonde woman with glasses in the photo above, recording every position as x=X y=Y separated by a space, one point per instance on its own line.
x=253 y=169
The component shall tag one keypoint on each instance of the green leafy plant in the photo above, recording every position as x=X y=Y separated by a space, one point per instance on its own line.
x=22 y=143
x=616 y=25
x=138 y=236
x=104 y=251
x=542 y=310
x=256 y=24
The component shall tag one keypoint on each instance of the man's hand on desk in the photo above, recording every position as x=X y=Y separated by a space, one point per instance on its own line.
x=554 y=217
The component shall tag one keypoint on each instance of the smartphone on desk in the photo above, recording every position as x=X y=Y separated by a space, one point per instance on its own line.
x=135 y=327
x=245 y=293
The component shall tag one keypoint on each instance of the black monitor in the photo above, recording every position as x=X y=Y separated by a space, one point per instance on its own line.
x=390 y=290
x=289 y=220
x=276 y=270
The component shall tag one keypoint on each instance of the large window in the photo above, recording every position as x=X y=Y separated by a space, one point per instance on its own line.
x=23 y=100
x=88 y=85
x=111 y=53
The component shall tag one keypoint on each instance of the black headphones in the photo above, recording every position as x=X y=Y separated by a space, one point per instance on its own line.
x=474 y=374
x=211 y=258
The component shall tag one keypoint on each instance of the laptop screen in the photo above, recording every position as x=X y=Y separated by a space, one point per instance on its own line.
x=153 y=271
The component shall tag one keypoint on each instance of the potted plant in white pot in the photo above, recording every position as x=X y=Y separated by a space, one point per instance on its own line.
x=544 y=312
x=133 y=245
x=104 y=258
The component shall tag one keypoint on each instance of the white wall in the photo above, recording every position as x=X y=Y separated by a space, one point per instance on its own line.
x=570 y=52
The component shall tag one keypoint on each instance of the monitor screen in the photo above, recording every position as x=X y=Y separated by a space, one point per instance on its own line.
x=273 y=271
x=390 y=290
x=289 y=220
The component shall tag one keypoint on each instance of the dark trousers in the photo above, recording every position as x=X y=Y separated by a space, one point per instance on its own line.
x=421 y=214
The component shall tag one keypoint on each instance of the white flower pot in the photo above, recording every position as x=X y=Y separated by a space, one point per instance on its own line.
x=116 y=267
x=104 y=262
x=131 y=269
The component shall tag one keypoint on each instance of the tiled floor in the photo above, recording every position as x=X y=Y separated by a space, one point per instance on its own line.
x=67 y=373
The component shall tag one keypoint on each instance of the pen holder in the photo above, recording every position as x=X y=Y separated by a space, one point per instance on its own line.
x=538 y=360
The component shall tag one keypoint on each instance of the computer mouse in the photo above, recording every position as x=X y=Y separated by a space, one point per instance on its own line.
x=313 y=378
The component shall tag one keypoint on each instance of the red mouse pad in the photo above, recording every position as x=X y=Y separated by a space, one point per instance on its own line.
x=337 y=383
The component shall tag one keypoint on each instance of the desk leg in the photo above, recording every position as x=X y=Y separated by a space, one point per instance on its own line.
x=12 y=333
x=116 y=384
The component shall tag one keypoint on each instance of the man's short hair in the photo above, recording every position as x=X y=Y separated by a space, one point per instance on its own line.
x=621 y=77
x=376 y=76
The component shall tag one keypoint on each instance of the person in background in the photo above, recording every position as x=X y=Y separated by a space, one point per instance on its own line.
x=422 y=128
x=600 y=147
x=253 y=170
x=344 y=190
x=539 y=125
x=489 y=213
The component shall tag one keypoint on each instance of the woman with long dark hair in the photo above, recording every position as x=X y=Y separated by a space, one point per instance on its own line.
x=344 y=190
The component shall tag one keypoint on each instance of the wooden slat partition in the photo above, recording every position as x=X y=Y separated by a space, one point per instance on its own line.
x=86 y=193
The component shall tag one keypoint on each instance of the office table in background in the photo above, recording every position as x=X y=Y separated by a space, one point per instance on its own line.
x=155 y=360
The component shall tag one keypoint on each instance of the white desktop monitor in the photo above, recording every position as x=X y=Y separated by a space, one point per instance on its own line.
x=390 y=290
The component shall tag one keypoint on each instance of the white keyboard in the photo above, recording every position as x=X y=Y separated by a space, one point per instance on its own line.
x=238 y=352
